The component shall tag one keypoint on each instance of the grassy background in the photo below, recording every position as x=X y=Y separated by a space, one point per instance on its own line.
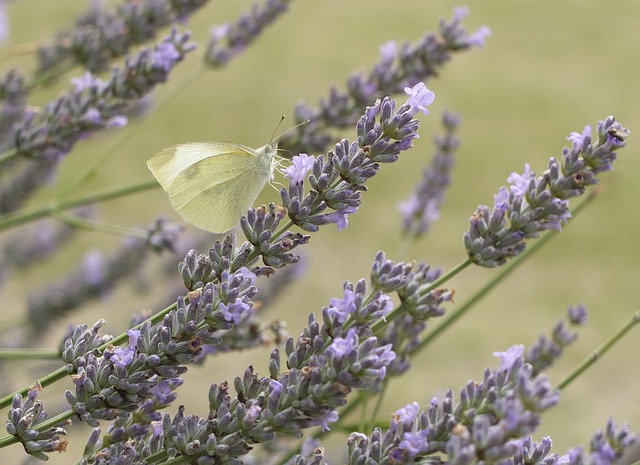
x=549 y=69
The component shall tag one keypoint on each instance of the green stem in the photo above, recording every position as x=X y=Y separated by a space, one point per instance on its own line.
x=19 y=353
x=9 y=154
x=465 y=306
x=101 y=195
x=78 y=222
x=600 y=351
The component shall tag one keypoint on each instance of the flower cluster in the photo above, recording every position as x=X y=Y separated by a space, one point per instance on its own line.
x=423 y=207
x=144 y=374
x=97 y=274
x=103 y=34
x=545 y=351
x=25 y=420
x=229 y=40
x=47 y=135
x=487 y=422
x=534 y=204
x=397 y=69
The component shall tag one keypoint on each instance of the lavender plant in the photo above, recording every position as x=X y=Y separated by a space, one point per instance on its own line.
x=127 y=386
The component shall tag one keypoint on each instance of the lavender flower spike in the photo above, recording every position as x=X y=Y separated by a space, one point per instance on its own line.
x=534 y=204
x=423 y=207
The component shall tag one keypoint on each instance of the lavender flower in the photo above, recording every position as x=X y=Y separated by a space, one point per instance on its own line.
x=545 y=351
x=25 y=421
x=229 y=40
x=102 y=35
x=411 y=64
x=423 y=207
x=488 y=422
x=97 y=275
x=535 y=204
x=47 y=136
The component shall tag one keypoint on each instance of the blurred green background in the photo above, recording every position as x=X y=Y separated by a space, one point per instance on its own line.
x=548 y=69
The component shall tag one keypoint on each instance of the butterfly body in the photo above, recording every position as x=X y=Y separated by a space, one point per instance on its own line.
x=212 y=184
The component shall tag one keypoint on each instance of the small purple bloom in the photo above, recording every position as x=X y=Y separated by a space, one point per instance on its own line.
x=162 y=392
x=248 y=275
x=93 y=116
x=579 y=141
x=93 y=268
x=520 y=182
x=578 y=314
x=156 y=429
x=165 y=55
x=117 y=121
x=340 y=217
x=459 y=13
x=477 y=38
x=342 y=346
x=276 y=388
x=234 y=312
x=253 y=412
x=86 y=81
x=330 y=417
x=342 y=308
x=419 y=98
x=603 y=454
x=134 y=335
x=388 y=52
x=510 y=358
x=405 y=416
x=122 y=356
x=300 y=165
x=414 y=443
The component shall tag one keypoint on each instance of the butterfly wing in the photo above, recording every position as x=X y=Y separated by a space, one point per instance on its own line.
x=211 y=184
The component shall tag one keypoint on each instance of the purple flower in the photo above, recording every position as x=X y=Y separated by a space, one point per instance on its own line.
x=87 y=81
x=163 y=392
x=414 y=443
x=511 y=358
x=405 y=416
x=477 y=38
x=578 y=314
x=117 y=121
x=340 y=217
x=580 y=141
x=388 y=52
x=342 y=346
x=520 y=182
x=93 y=268
x=123 y=356
x=234 y=312
x=156 y=429
x=253 y=412
x=340 y=309
x=300 y=165
x=419 y=98
x=329 y=417
x=165 y=55
x=134 y=335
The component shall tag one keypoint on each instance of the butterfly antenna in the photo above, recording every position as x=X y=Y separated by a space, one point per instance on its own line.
x=274 y=137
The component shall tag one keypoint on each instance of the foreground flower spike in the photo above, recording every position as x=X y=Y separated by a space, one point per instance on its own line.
x=510 y=398
x=337 y=181
x=423 y=207
x=533 y=204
